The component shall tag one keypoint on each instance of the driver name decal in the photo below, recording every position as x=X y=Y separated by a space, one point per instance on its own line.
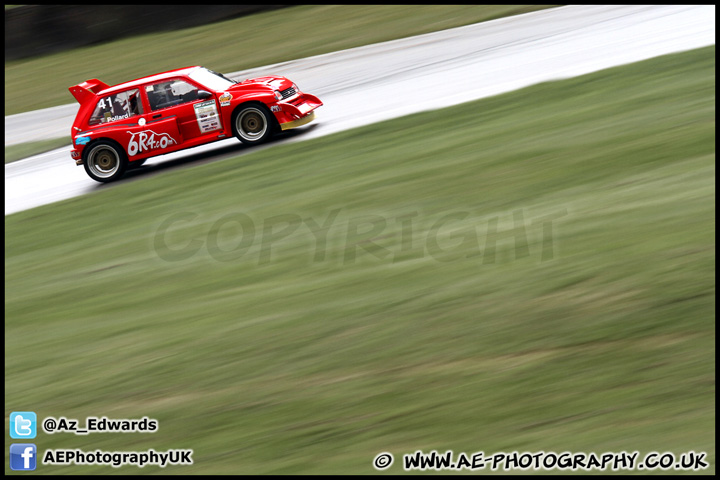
x=148 y=140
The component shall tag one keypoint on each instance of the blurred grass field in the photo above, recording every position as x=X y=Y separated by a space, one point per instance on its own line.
x=252 y=41
x=17 y=152
x=300 y=365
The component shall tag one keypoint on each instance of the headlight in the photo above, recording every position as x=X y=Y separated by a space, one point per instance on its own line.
x=295 y=87
x=278 y=95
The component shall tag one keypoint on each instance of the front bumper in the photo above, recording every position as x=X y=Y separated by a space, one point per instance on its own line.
x=296 y=111
x=299 y=122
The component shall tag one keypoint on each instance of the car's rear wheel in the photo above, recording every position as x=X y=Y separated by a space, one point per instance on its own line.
x=253 y=124
x=105 y=161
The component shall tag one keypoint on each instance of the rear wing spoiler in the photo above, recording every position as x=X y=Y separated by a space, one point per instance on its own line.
x=87 y=90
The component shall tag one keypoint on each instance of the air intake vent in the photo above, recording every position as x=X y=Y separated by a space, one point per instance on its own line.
x=287 y=93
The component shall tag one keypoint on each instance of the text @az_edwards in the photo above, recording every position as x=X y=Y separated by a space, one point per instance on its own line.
x=100 y=425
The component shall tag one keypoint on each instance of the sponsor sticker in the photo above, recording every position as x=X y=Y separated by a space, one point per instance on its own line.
x=225 y=99
x=207 y=116
x=82 y=140
x=148 y=140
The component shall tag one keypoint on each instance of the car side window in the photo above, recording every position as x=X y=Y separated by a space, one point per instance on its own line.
x=170 y=93
x=115 y=107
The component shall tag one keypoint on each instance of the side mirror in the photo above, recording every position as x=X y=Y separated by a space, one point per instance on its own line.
x=204 y=94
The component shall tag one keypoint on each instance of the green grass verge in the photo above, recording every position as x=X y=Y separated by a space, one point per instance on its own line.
x=25 y=150
x=252 y=41
x=290 y=365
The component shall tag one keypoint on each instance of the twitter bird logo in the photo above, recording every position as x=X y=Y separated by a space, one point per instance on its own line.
x=23 y=425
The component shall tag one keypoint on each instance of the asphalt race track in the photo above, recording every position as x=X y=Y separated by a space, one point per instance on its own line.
x=382 y=81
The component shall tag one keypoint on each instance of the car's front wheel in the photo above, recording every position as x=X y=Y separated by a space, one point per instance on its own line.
x=253 y=124
x=105 y=161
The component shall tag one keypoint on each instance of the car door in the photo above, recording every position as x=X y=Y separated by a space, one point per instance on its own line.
x=180 y=99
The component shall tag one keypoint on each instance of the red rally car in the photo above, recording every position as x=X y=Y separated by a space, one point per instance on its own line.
x=120 y=127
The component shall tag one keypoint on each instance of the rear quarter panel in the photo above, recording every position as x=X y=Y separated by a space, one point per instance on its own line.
x=138 y=141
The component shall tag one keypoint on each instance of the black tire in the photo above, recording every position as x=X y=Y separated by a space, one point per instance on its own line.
x=253 y=123
x=105 y=161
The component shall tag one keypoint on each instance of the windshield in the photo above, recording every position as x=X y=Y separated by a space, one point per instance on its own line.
x=211 y=79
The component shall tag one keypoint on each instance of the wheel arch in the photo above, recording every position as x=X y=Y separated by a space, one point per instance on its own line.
x=94 y=141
